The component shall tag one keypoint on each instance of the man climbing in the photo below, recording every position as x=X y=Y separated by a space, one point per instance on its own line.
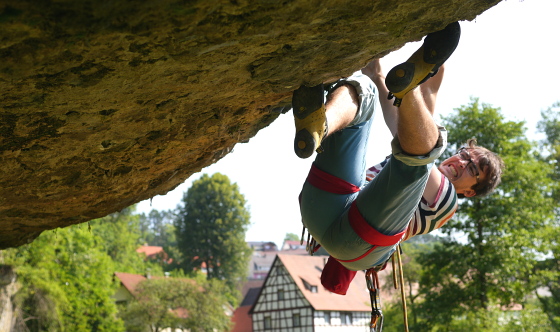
x=359 y=223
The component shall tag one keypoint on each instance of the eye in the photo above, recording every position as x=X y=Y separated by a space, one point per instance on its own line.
x=471 y=169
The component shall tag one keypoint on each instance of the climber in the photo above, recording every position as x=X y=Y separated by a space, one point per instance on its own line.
x=359 y=216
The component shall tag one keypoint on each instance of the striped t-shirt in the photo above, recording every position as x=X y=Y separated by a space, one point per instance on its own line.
x=426 y=218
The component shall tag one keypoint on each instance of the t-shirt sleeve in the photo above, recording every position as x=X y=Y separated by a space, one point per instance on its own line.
x=426 y=218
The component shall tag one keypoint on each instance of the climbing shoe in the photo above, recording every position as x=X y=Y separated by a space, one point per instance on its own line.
x=310 y=118
x=424 y=63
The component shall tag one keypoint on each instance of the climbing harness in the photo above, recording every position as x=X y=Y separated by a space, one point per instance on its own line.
x=327 y=182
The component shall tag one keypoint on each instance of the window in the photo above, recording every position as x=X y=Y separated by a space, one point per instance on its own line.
x=296 y=320
x=308 y=286
x=327 y=317
x=280 y=294
x=267 y=323
x=346 y=318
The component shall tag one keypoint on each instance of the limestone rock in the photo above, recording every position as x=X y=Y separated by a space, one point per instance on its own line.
x=8 y=287
x=107 y=103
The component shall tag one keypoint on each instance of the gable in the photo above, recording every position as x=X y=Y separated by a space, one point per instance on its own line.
x=279 y=291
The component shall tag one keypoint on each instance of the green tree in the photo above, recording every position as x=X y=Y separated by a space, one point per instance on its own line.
x=157 y=228
x=66 y=280
x=501 y=234
x=211 y=226
x=549 y=268
x=177 y=303
x=291 y=237
x=121 y=237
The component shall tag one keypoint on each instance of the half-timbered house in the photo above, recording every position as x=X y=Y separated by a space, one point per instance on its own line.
x=293 y=299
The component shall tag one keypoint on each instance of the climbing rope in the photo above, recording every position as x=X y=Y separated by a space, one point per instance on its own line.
x=401 y=281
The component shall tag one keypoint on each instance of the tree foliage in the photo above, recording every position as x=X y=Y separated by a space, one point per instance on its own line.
x=120 y=236
x=291 y=237
x=66 y=279
x=211 y=226
x=549 y=269
x=177 y=304
x=495 y=241
x=157 y=228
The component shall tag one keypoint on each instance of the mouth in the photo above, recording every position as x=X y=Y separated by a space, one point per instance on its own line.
x=453 y=170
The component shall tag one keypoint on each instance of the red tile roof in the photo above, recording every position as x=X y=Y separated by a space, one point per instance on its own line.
x=150 y=250
x=130 y=281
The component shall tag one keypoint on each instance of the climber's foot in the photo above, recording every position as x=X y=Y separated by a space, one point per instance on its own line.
x=310 y=118
x=424 y=63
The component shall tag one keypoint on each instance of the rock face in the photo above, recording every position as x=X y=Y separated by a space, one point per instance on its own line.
x=104 y=104
x=8 y=288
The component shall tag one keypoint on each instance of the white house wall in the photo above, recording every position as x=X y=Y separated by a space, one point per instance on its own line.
x=360 y=322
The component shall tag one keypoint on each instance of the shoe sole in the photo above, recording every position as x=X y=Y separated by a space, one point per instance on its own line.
x=304 y=144
x=309 y=109
x=423 y=64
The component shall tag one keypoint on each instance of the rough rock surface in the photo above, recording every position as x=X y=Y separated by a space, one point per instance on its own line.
x=8 y=287
x=107 y=103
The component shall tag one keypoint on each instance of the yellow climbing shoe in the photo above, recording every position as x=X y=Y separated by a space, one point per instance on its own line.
x=424 y=63
x=310 y=118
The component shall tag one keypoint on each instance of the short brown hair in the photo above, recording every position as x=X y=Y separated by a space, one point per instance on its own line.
x=489 y=163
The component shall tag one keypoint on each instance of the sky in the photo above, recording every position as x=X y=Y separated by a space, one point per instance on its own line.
x=507 y=57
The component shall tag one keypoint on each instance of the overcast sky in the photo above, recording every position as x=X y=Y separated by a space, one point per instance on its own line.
x=507 y=57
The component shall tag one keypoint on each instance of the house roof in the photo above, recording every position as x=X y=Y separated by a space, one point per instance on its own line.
x=309 y=268
x=262 y=246
x=251 y=297
x=293 y=244
x=251 y=283
x=130 y=281
x=150 y=250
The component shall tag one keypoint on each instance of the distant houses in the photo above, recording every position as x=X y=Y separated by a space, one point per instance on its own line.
x=284 y=293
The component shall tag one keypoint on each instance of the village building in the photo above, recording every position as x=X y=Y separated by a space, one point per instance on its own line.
x=293 y=299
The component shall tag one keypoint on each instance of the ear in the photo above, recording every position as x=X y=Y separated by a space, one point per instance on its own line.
x=469 y=193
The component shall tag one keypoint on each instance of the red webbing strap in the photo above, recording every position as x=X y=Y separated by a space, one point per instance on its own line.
x=357 y=258
x=330 y=183
x=367 y=233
